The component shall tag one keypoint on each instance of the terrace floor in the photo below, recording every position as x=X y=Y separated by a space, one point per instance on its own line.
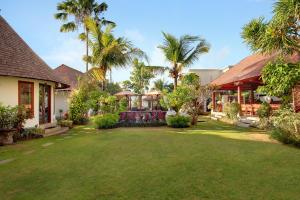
x=211 y=161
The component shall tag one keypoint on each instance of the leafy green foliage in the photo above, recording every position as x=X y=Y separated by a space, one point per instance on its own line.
x=113 y=88
x=107 y=50
x=279 y=79
x=232 y=110
x=161 y=85
x=176 y=99
x=264 y=111
x=197 y=93
x=280 y=34
x=78 y=107
x=107 y=120
x=178 y=121
x=182 y=52
x=286 y=126
x=140 y=77
x=12 y=117
x=66 y=123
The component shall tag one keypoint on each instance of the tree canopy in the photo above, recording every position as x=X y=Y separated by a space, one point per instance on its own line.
x=279 y=34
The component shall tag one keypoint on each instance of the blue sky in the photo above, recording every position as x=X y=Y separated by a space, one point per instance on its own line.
x=142 y=22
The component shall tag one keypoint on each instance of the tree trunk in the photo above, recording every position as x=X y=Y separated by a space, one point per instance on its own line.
x=175 y=82
x=87 y=48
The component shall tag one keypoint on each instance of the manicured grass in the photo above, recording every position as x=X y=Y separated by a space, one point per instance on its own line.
x=211 y=161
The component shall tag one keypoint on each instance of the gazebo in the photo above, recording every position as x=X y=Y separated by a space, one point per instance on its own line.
x=142 y=116
x=244 y=77
x=128 y=95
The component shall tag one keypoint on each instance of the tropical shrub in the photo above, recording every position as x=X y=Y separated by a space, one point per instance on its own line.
x=286 y=126
x=12 y=117
x=176 y=99
x=78 y=107
x=279 y=79
x=232 y=110
x=264 y=112
x=106 y=121
x=33 y=132
x=66 y=123
x=178 y=121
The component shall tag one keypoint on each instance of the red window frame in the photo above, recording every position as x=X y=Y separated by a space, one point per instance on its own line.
x=31 y=115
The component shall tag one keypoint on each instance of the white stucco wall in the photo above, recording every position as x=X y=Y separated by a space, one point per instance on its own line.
x=9 y=96
x=207 y=75
x=61 y=101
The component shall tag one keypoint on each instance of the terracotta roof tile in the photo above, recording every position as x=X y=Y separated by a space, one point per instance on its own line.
x=249 y=67
x=19 y=60
x=68 y=74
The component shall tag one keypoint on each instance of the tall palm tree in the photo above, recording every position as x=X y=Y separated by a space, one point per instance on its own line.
x=80 y=10
x=108 y=51
x=182 y=52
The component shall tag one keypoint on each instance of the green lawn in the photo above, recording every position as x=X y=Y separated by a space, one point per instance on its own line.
x=213 y=161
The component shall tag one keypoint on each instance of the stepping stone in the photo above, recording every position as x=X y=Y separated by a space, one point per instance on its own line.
x=6 y=161
x=60 y=139
x=28 y=152
x=47 y=144
x=68 y=137
x=75 y=134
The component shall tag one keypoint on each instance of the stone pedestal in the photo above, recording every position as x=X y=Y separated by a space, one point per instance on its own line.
x=6 y=137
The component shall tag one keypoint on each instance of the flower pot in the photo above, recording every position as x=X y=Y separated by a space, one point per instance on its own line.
x=6 y=136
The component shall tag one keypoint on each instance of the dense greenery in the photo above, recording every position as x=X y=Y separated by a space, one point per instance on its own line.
x=178 y=121
x=232 y=110
x=161 y=85
x=107 y=120
x=198 y=95
x=12 y=117
x=286 y=126
x=107 y=50
x=80 y=10
x=176 y=99
x=279 y=79
x=182 y=52
x=66 y=123
x=210 y=161
x=280 y=34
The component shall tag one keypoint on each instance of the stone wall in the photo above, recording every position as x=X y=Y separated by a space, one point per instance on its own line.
x=296 y=98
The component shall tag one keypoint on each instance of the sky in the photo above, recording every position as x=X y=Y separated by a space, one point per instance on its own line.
x=141 y=21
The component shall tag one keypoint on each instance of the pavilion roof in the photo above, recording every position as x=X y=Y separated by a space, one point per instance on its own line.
x=249 y=69
x=125 y=93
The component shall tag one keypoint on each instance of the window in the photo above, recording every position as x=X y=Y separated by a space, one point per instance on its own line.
x=26 y=97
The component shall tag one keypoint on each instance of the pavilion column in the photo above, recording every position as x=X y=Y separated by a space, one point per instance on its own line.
x=239 y=91
x=251 y=96
x=214 y=101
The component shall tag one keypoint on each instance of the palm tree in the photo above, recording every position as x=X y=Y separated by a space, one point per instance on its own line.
x=108 y=51
x=161 y=85
x=80 y=10
x=182 y=52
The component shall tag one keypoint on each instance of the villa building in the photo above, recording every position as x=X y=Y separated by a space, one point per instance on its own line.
x=70 y=76
x=25 y=79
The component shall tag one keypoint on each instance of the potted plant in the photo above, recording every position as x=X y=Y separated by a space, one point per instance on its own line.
x=11 y=123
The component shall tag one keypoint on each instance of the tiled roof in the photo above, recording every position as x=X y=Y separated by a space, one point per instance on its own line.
x=249 y=67
x=68 y=74
x=19 y=60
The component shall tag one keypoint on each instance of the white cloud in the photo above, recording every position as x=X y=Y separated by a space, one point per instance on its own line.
x=68 y=51
x=134 y=35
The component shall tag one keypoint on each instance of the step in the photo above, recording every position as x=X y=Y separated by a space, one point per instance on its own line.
x=56 y=131
x=48 y=125
x=52 y=129
x=214 y=118
x=241 y=124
